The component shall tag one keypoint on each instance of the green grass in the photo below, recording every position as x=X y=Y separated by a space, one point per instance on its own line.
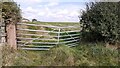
x=82 y=55
x=58 y=23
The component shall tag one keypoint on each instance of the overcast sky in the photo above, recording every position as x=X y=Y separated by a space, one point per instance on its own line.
x=52 y=10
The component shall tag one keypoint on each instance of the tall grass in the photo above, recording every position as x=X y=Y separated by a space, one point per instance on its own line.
x=61 y=55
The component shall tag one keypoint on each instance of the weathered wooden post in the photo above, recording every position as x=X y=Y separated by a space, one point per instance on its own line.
x=11 y=35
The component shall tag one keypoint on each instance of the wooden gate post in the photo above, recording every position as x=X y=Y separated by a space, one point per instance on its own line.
x=11 y=35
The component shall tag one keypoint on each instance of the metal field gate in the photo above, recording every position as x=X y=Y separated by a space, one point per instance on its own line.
x=43 y=37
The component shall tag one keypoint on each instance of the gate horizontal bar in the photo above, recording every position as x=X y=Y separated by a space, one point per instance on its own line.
x=35 y=46
x=37 y=42
x=68 y=41
x=34 y=39
x=69 y=31
x=47 y=31
x=69 y=38
x=36 y=30
x=69 y=35
x=20 y=34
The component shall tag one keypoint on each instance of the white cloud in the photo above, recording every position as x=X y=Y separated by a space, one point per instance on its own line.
x=28 y=2
x=59 y=14
x=49 y=11
x=41 y=13
x=63 y=11
x=74 y=13
x=30 y=10
x=52 y=4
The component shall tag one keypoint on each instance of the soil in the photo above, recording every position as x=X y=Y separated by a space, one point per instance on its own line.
x=113 y=46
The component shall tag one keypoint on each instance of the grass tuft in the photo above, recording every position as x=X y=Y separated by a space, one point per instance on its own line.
x=61 y=55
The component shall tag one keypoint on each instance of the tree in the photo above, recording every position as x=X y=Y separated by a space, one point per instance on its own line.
x=34 y=20
x=100 y=22
x=11 y=11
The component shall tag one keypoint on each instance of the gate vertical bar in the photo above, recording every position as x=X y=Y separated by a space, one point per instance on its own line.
x=59 y=36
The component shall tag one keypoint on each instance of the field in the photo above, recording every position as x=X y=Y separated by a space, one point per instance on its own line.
x=58 y=23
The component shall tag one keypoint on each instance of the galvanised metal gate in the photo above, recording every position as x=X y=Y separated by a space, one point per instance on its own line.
x=43 y=37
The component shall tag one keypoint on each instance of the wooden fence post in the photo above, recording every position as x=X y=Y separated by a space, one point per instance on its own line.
x=11 y=35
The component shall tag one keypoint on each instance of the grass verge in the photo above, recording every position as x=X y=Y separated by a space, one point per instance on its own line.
x=82 y=55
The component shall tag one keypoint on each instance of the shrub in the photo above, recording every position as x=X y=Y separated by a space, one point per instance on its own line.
x=100 y=21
